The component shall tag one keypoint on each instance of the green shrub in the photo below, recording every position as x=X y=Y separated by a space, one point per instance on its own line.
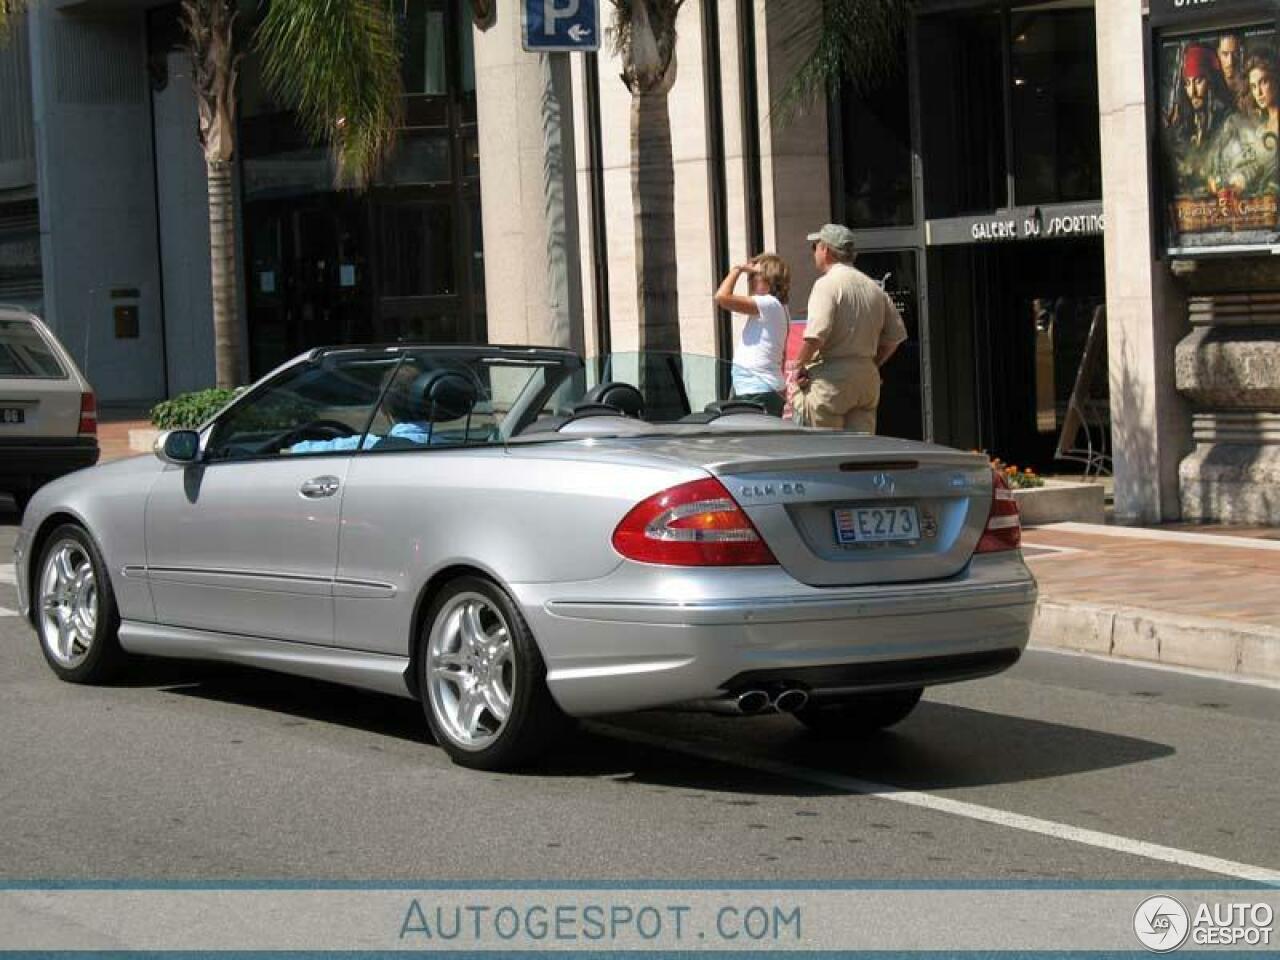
x=188 y=410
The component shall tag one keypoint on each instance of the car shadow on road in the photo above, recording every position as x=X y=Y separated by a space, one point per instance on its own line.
x=941 y=746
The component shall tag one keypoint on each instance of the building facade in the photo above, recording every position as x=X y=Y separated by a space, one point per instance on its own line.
x=1074 y=204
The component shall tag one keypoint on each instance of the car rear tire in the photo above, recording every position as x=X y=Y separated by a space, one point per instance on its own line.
x=75 y=609
x=482 y=679
x=864 y=714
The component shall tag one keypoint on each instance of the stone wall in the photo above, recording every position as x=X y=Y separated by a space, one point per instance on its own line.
x=1228 y=367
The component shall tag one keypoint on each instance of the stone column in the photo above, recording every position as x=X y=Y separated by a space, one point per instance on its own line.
x=528 y=198
x=1229 y=368
x=1150 y=425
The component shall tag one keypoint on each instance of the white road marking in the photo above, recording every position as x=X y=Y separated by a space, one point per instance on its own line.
x=7 y=574
x=6 y=612
x=959 y=808
x=1162 y=667
x=1172 y=536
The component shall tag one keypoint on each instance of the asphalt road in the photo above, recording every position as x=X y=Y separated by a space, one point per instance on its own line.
x=1065 y=768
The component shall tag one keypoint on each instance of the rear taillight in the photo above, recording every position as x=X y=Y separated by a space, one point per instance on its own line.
x=696 y=524
x=1004 y=527
x=88 y=416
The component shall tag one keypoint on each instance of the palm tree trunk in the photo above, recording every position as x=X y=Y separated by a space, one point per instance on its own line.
x=653 y=194
x=653 y=198
x=222 y=253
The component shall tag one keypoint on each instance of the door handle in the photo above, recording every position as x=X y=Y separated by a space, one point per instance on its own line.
x=319 y=487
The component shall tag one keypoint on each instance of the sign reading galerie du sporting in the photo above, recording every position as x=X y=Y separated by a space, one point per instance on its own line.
x=552 y=26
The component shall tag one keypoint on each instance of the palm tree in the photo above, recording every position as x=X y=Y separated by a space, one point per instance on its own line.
x=336 y=63
x=644 y=38
x=853 y=42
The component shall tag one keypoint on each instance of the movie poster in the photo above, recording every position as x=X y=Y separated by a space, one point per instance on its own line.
x=1220 y=106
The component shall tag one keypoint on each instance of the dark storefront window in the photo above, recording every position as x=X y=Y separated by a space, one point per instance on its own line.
x=417 y=244
x=876 y=147
x=423 y=38
x=401 y=260
x=1054 y=76
x=21 y=275
x=901 y=413
x=999 y=285
x=962 y=114
x=420 y=158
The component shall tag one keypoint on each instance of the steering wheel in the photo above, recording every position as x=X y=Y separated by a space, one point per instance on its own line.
x=315 y=430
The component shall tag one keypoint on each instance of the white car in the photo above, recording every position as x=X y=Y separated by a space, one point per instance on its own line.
x=48 y=414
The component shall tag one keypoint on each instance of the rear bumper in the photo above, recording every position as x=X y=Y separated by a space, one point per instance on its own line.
x=612 y=645
x=27 y=462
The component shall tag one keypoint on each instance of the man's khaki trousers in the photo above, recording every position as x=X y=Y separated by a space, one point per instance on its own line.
x=842 y=395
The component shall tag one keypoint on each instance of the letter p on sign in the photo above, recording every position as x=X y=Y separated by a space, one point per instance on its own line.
x=553 y=12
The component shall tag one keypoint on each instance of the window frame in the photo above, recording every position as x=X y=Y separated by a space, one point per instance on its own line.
x=272 y=381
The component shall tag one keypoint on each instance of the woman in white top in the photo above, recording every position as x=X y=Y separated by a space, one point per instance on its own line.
x=758 y=355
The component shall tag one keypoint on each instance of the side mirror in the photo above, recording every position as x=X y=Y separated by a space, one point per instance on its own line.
x=179 y=447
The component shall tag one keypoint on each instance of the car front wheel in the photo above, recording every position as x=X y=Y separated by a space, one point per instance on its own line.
x=75 y=609
x=863 y=714
x=482 y=679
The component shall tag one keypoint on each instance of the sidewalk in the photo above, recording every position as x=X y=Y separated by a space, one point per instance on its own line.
x=1207 y=599
x=113 y=433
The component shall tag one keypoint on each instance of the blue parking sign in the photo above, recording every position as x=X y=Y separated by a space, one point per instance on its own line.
x=561 y=25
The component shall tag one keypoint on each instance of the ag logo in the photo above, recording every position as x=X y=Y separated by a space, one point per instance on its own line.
x=1161 y=924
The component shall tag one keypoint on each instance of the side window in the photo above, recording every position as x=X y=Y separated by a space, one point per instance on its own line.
x=433 y=402
x=314 y=408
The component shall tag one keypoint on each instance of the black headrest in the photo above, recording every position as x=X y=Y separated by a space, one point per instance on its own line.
x=435 y=396
x=623 y=397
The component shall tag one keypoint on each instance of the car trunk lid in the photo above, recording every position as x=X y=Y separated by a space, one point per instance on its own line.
x=840 y=509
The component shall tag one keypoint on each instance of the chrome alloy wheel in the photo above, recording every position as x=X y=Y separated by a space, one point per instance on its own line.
x=471 y=673
x=68 y=603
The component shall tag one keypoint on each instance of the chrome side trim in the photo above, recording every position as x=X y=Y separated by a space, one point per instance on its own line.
x=369 y=589
x=256 y=580
x=369 y=671
x=880 y=603
x=241 y=579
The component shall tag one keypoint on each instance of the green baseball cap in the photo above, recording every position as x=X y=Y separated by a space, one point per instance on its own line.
x=837 y=237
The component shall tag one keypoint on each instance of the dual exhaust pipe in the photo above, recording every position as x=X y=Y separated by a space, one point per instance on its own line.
x=755 y=701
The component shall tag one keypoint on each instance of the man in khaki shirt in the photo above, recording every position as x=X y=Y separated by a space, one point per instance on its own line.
x=853 y=329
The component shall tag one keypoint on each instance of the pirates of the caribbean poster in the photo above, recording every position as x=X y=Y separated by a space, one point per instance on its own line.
x=1220 y=123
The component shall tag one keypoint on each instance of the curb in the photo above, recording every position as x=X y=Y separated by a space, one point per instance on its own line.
x=1129 y=633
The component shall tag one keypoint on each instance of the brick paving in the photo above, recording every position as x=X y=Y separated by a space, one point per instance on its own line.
x=1174 y=575
x=113 y=437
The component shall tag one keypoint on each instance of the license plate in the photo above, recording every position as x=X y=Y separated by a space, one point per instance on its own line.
x=876 y=524
x=12 y=415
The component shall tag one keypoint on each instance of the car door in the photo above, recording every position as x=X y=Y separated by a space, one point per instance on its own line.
x=245 y=541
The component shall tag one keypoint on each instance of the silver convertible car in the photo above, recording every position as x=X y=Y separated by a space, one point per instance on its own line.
x=517 y=537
